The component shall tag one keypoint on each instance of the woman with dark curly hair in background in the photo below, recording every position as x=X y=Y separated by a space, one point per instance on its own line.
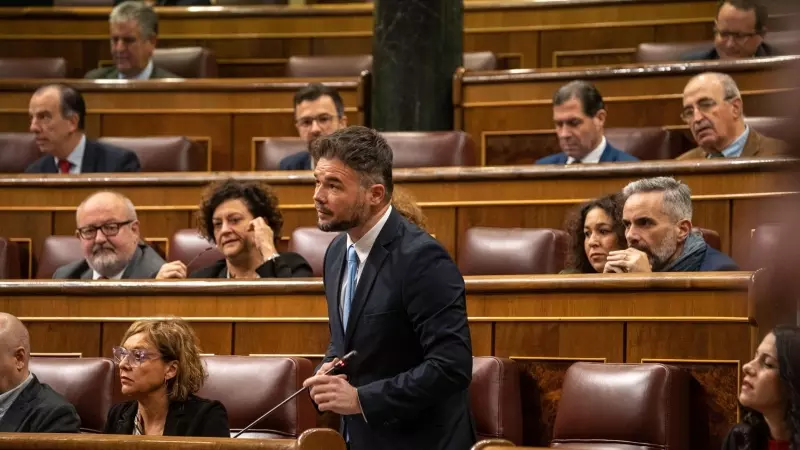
x=243 y=220
x=594 y=230
x=770 y=395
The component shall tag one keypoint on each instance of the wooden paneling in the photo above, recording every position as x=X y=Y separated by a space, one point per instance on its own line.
x=256 y=41
x=230 y=112
x=496 y=104
x=724 y=194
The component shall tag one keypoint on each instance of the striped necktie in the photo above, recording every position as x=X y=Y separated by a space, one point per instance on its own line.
x=352 y=271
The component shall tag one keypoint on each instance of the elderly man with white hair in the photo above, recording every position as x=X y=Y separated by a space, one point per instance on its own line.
x=658 y=227
x=108 y=229
x=714 y=110
x=26 y=405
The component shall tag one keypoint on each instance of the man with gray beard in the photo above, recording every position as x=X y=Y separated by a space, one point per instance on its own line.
x=109 y=233
x=658 y=227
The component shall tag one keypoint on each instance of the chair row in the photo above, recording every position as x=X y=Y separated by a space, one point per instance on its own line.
x=487 y=251
x=199 y=62
x=411 y=149
x=248 y=386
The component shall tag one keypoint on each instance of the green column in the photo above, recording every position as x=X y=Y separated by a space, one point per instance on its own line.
x=416 y=48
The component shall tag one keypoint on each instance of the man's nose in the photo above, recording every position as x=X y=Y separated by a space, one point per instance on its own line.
x=315 y=128
x=34 y=126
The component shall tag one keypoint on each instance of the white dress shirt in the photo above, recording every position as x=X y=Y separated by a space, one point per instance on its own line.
x=594 y=156
x=76 y=157
x=143 y=75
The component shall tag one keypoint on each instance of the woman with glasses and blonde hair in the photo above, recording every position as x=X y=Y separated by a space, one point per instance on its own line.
x=160 y=369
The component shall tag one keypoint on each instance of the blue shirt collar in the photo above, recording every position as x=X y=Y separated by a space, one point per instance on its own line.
x=737 y=147
x=76 y=157
x=143 y=75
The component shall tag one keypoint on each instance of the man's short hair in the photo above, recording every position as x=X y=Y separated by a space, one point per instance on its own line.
x=139 y=12
x=362 y=149
x=71 y=102
x=316 y=90
x=584 y=91
x=677 y=195
x=762 y=14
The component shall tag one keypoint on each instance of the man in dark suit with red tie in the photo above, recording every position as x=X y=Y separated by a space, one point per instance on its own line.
x=396 y=297
x=58 y=114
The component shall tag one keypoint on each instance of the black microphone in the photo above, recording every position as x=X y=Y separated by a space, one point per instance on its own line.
x=335 y=370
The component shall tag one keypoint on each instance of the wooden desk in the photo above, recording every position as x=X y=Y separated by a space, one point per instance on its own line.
x=314 y=439
x=702 y=322
x=228 y=113
x=507 y=112
x=731 y=197
x=252 y=41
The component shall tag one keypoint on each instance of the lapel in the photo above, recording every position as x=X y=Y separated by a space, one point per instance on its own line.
x=130 y=271
x=608 y=153
x=333 y=285
x=49 y=165
x=87 y=273
x=89 y=162
x=175 y=425
x=19 y=409
x=752 y=145
x=308 y=162
x=372 y=266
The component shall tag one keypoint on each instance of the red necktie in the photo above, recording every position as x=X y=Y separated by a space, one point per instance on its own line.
x=63 y=166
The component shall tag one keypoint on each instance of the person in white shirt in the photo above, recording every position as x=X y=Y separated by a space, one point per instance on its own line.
x=108 y=230
x=579 y=115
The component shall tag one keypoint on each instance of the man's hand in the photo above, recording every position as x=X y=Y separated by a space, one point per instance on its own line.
x=263 y=237
x=333 y=393
x=174 y=269
x=327 y=366
x=628 y=260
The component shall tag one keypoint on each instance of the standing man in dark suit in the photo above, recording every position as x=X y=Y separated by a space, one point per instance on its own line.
x=318 y=111
x=396 y=297
x=134 y=33
x=580 y=116
x=739 y=31
x=58 y=116
x=26 y=405
x=108 y=229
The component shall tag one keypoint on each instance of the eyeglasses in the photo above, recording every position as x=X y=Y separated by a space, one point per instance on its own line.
x=323 y=120
x=705 y=106
x=135 y=357
x=737 y=37
x=109 y=230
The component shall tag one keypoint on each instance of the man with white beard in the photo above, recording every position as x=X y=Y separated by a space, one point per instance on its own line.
x=658 y=227
x=109 y=233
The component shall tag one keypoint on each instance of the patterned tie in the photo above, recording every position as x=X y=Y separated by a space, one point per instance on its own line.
x=64 y=166
x=352 y=270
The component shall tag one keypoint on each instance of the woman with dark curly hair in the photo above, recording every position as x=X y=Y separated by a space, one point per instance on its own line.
x=161 y=370
x=770 y=395
x=594 y=230
x=243 y=220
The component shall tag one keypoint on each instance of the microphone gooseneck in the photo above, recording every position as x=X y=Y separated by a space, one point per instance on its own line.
x=335 y=370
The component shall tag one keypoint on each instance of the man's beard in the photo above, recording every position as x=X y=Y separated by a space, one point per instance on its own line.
x=660 y=256
x=106 y=261
x=355 y=218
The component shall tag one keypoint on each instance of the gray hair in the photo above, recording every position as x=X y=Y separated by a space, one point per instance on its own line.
x=139 y=12
x=677 y=195
x=129 y=208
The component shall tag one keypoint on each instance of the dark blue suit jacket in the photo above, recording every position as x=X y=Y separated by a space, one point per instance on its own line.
x=97 y=158
x=297 y=161
x=610 y=154
x=716 y=261
x=711 y=53
x=408 y=323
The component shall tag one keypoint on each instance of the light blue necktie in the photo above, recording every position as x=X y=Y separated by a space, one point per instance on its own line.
x=352 y=270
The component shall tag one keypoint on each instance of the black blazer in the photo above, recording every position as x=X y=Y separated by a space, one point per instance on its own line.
x=711 y=53
x=408 y=322
x=40 y=409
x=297 y=161
x=97 y=158
x=287 y=265
x=194 y=417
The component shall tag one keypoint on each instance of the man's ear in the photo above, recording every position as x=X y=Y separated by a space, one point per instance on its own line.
x=738 y=107
x=600 y=117
x=376 y=194
x=135 y=227
x=19 y=358
x=343 y=122
x=684 y=228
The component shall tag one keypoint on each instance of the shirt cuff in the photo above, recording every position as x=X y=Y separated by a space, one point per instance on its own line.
x=358 y=397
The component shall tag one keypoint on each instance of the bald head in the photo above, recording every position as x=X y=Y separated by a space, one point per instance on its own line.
x=13 y=335
x=107 y=200
x=713 y=109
